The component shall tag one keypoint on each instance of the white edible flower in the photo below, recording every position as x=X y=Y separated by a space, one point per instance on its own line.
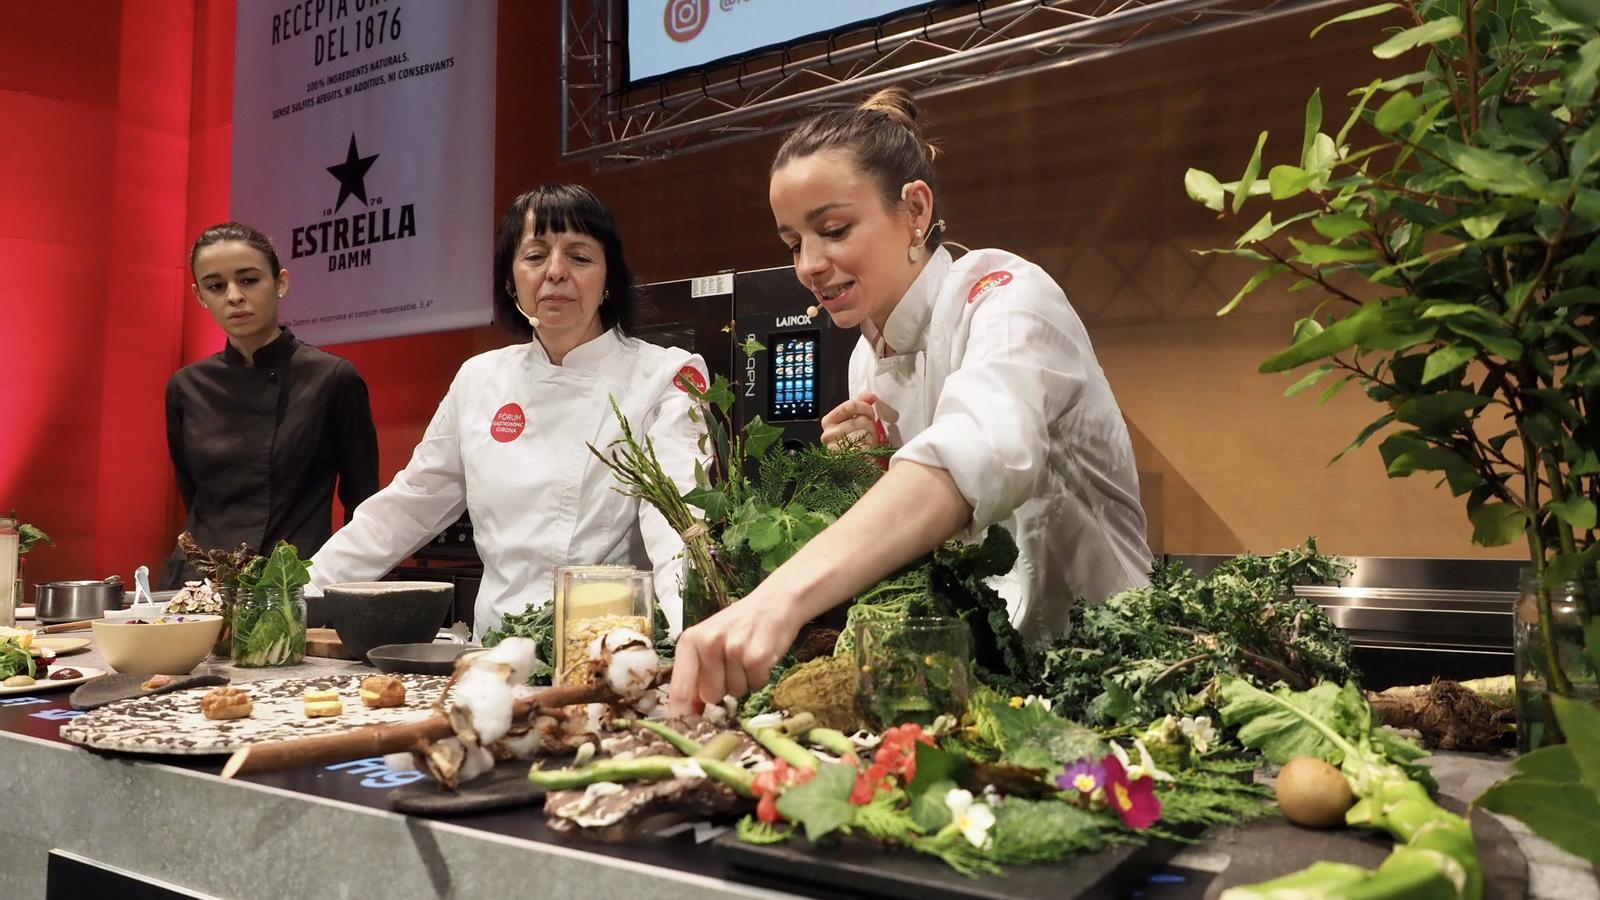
x=765 y=720
x=1145 y=767
x=1200 y=732
x=1033 y=699
x=973 y=819
x=688 y=770
x=865 y=740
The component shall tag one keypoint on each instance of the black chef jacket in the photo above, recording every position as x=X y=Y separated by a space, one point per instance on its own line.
x=258 y=448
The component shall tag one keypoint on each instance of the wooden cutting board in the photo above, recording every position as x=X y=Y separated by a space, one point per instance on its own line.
x=324 y=642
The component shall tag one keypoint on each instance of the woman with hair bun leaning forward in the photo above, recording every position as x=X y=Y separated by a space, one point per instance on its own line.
x=976 y=370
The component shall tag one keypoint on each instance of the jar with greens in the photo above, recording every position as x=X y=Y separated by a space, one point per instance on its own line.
x=269 y=610
x=912 y=670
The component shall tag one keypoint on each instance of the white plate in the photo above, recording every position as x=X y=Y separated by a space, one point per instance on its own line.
x=46 y=684
x=25 y=612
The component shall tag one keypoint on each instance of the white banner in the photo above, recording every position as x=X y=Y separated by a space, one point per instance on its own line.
x=363 y=145
x=670 y=35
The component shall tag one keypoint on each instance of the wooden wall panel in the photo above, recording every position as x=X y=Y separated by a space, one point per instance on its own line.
x=1081 y=170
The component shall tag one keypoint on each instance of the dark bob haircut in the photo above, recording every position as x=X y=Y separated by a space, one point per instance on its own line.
x=571 y=208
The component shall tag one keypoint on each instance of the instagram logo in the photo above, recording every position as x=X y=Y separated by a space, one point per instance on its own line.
x=685 y=19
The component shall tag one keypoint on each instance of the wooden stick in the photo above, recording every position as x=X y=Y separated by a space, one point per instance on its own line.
x=377 y=740
x=80 y=625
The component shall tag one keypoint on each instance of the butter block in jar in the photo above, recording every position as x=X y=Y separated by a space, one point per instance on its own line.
x=591 y=601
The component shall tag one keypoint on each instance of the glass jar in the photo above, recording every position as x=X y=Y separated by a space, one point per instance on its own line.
x=1551 y=652
x=912 y=670
x=592 y=600
x=269 y=628
x=226 y=595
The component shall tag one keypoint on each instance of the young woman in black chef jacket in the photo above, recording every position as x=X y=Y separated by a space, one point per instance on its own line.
x=262 y=433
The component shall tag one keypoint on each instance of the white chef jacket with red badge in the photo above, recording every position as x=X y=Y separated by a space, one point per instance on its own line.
x=985 y=371
x=509 y=445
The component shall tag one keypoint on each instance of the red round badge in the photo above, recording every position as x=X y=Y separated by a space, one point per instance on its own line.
x=988 y=283
x=508 y=423
x=689 y=375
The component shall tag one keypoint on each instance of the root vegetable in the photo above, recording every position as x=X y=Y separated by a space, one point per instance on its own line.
x=1313 y=793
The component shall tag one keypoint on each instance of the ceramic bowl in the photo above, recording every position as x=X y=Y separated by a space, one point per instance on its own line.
x=369 y=614
x=157 y=648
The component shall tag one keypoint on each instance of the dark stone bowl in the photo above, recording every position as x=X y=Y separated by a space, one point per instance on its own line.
x=369 y=614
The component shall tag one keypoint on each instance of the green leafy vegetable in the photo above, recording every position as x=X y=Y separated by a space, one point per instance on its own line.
x=1436 y=855
x=1556 y=790
x=1145 y=652
x=269 y=625
x=14 y=660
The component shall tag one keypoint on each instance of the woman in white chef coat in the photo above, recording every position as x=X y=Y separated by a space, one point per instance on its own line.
x=509 y=442
x=977 y=370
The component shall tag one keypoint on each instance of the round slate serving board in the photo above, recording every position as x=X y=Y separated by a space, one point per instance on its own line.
x=172 y=723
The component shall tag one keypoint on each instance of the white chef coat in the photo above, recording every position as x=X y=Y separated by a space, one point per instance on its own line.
x=509 y=445
x=985 y=371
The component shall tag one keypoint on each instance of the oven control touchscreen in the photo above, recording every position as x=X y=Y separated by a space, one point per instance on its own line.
x=793 y=376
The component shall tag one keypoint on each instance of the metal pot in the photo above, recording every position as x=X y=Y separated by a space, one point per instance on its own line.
x=72 y=601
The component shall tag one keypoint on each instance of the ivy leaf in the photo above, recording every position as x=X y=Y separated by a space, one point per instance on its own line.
x=821 y=805
x=1426 y=33
x=760 y=437
x=1036 y=738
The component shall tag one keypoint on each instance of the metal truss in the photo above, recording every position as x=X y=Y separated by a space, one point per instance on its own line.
x=943 y=49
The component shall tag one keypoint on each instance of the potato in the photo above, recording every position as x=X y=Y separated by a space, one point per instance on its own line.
x=1313 y=793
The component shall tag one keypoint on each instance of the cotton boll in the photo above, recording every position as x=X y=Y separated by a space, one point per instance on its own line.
x=478 y=761
x=632 y=671
x=400 y=762
x=520 y=746
x=517 y=652
x=716 y=715
x=486 y=699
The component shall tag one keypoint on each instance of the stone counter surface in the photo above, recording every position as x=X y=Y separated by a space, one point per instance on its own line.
x=237 y=839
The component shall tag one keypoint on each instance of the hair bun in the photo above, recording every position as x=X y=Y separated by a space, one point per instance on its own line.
x=898 y=104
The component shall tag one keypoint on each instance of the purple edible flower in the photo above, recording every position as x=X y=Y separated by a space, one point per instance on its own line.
x=1084 y=776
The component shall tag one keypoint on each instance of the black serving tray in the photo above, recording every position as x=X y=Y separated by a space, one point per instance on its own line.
x=858 y=868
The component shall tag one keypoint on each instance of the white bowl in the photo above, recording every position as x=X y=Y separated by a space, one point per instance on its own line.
x=166 y=648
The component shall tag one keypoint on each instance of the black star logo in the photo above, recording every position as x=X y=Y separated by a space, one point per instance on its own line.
x=352 y=175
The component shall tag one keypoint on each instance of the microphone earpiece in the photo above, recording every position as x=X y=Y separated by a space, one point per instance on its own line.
x=534 y=321
x=813 y=311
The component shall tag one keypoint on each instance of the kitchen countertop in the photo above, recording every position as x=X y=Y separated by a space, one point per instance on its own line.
x=328 y=832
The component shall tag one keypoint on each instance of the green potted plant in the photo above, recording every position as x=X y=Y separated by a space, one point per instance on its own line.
x=1450 y=229
x=28 y=536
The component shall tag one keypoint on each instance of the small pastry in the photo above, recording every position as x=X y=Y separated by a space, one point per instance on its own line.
x=382 y=691
x=19 y=681
x=226 y=703
x=323 y=704
x=157 y=682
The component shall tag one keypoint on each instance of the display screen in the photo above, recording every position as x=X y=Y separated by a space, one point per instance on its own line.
x=672 y=35
x=793 y=376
